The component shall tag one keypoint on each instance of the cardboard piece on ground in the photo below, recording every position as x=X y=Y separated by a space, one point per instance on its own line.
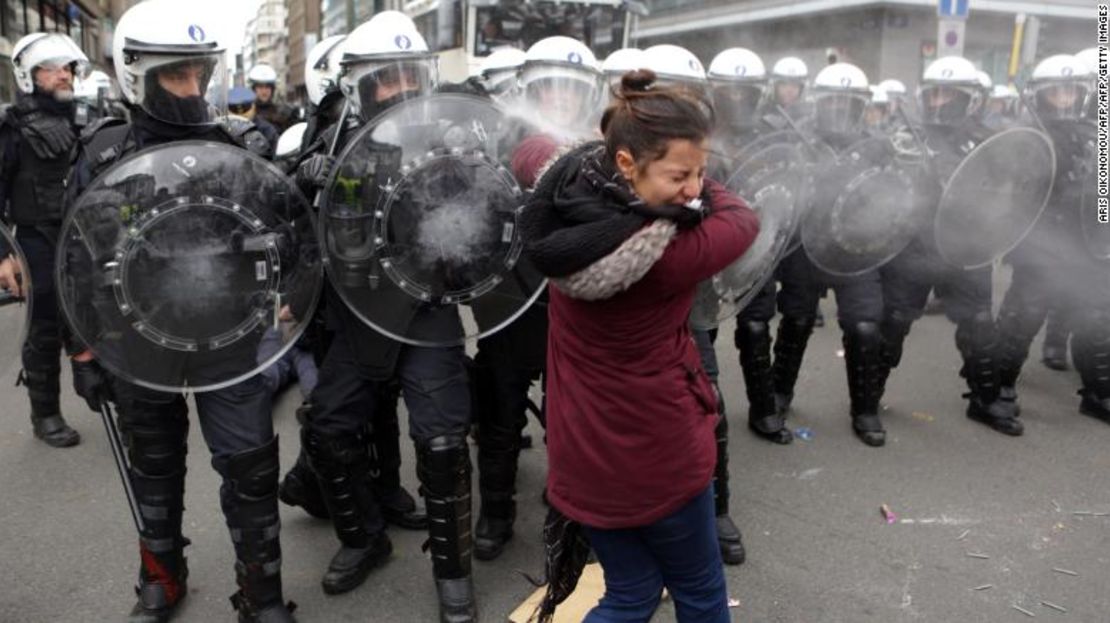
x=591 y=586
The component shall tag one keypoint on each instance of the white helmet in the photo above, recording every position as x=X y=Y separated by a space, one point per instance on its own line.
x=1089 y=57
x=386 y=52
x=737 y=82
x=51 y=49
x=789 y=70
x=168 y=40
x=499 y=70
x=672 y=63
x=737 y=65
x=984 y=80
x=289 y=143
x=1059 y=87
x=562 y=79
x=950 y=91
x=893 y=87
x=623 y=61
x=620 y=62
x=321 y=68
x=1003 y=92
x=879 y=96
x=841 y=94
x=262 y=74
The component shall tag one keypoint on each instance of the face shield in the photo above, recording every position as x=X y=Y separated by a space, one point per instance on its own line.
x=373 y=86
x=563 y=96
x=946 y=104
x=188 y=91
x=53 y=54
x=840 y=112
x=1061 y=101
x=736 y=103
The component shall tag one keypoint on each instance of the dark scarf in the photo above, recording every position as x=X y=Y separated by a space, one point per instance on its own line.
x=566 y=552
x=583 y=209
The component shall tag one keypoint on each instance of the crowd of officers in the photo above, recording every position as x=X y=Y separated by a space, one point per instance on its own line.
x=168 y=70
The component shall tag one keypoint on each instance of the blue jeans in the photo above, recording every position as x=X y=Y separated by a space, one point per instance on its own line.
x=679 y=552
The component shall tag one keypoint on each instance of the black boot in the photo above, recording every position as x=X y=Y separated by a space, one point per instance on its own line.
x=790 y=348
x=41 y=371
x=862 y=361
x=500 y=395
x=977 y=343
x=47 y=422
x=1054 y=350
x=1017 y=326
x=157 y=456
x=300 y=488
x=753 y=341
x=342 y=466
x=249 y=497
x=728 y=535
x=1091 y=351
x=443 y=465
x=397 y=506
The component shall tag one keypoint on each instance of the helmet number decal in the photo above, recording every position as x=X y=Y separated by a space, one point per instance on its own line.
x=402 y=42
x=575 y=58
x=196 y=33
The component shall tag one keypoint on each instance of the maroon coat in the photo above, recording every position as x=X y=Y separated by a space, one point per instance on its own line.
x=630 y=411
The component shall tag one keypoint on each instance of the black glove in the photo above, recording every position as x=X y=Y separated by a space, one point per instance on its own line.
x=92 y=383
x=314 y=171
x=49 y=135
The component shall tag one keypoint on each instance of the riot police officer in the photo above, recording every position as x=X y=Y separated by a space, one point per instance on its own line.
x=787 y=84
x=841 y=95
x=37 y=135
x=171 y=68
x=299 y=486
x=950 y=97
x=677 y=66
x=1053 y=265
x=262 y=79
x=386 y=61
x=508 y=362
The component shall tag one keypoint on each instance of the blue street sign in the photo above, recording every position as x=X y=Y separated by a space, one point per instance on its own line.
x=953 y=8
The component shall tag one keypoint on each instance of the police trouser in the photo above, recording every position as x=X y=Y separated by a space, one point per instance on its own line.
x=1082 y=291
x=501 y=412
x=907 y=281
x=238 y=429
x=43 y=348
x=435 y=388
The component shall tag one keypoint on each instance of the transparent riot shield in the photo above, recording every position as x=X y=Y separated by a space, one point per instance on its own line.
x=189 y=266
x=419 y=220
x=994 y=197
x=15 y=303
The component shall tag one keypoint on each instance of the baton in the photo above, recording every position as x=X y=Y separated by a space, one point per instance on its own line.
x=331 y=151
x=121 y=465
x=809 y=141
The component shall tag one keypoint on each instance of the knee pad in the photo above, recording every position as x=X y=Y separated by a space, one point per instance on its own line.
x=254 y=473
x=157 y=449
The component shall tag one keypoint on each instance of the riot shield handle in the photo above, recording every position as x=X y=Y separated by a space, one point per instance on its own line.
x=121 y=465
x=926 y=153
x=1032 y=112
x=331 y=150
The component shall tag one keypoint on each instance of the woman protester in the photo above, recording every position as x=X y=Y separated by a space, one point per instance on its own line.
x=626 y=229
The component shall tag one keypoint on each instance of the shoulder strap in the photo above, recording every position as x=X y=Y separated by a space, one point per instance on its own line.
x=105 y=142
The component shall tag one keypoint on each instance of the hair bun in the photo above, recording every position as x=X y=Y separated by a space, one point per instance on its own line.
x=637 y=81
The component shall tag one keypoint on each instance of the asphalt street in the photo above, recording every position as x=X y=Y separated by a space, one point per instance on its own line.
x=974 y=510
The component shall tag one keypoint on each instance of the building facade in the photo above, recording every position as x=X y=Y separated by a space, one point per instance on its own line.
x=302 y=19
x=266 y=39
x=886 y=38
